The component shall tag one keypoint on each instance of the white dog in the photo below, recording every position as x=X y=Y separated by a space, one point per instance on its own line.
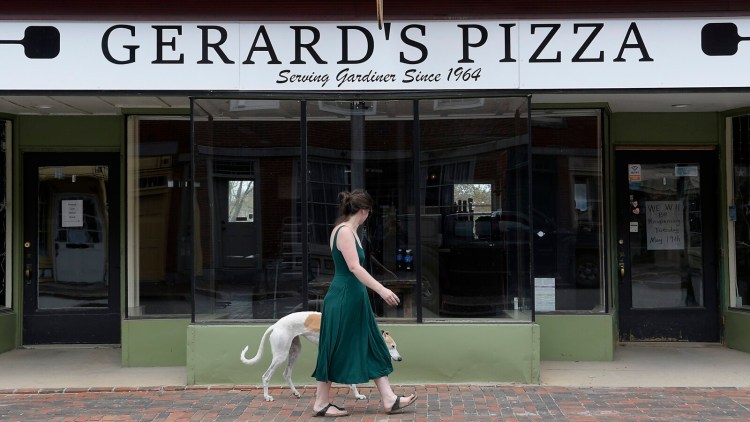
x=285 y=344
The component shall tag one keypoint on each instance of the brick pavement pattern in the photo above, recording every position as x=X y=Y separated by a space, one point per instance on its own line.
x=434 y=403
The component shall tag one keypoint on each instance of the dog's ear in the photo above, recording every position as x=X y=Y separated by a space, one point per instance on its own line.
x=382 y=331
x=386 y=333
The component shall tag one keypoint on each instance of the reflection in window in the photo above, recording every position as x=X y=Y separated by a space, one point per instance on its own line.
x=568 y=212
x=240 y=205
x=475 y=246
x=159 y=272
x=473 y=194
x=741 y=210
x=72 y=244
x=581 y=197
x=247 y=213
x=364 y=145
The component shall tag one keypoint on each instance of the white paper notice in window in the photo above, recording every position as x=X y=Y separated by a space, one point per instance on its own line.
x=72 y=212
x=544 y=294
x=664 y=225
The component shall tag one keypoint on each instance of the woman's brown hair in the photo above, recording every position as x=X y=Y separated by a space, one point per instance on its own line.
x=352 y=202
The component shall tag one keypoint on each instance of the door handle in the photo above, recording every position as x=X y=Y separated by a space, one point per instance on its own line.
x=27 y=273
x=621 y=257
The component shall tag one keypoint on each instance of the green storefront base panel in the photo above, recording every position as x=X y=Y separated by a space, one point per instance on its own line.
x=577 y=337
x=736 y=329
x=446 y=353
x=154 y=342
x=8 y=324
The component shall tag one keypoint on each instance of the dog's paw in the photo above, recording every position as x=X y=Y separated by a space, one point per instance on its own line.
x=361 y=397
x=269 y=398
x=297 y=394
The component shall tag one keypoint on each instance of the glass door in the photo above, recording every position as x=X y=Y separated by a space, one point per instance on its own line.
x=666 y=203
x=71 y=248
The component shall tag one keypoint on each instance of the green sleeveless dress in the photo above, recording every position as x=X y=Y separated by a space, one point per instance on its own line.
x=351 y=348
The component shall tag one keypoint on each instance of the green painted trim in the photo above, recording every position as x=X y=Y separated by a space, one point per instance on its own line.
x=154 y=342
x=439 y=353
x=735 y=330
x=577 y=337
x=8 y=323
x=654 y=129
x=71 y=133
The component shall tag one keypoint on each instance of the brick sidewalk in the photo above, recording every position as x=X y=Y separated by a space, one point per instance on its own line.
x=435 y=403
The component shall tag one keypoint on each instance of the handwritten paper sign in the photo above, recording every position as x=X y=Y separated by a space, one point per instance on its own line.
x=72 y=213
x=665 y=225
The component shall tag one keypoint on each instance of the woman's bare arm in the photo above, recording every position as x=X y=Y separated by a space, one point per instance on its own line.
x=347 y=245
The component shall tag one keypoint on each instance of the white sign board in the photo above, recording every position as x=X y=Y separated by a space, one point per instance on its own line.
x=544 y=294
x=72 y=212
x=355 y=56
x=665 y=224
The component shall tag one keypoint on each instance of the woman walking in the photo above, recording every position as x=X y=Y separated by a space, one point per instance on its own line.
x=351 y=348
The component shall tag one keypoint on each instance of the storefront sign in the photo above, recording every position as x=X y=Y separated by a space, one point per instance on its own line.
x=356 y=56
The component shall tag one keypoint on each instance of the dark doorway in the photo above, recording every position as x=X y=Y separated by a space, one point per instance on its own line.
x=71 y=248
x=666 y=205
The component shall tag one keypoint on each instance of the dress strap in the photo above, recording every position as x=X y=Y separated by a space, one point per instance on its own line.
x=335 y=236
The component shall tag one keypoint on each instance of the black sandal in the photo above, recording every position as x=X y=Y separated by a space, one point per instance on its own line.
x=324 y=412
x=396 y=404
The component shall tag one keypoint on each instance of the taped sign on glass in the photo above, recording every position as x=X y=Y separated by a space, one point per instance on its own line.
x=664 y=225
x=72 y=213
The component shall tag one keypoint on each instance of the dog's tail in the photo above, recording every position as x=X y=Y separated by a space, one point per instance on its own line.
x=258 y=355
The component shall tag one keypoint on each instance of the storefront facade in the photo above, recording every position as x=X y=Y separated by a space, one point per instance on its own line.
x=546 y=185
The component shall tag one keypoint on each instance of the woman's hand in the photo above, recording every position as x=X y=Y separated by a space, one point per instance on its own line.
x=389 y=297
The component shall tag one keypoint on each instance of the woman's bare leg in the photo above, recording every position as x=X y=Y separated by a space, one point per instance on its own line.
x=387 y=394
x=322 y=398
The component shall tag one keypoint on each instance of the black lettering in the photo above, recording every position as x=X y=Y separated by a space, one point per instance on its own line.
x=597 y=27
x=633 y=29
x=507 y=57
x=160 y=44
x=130 y=48
x=416 y=44
x=216 y=46
x=267 y=46
x=345 y=45
x=298 y=45
x=554 y=27
x=283 y=76
x=465 y=37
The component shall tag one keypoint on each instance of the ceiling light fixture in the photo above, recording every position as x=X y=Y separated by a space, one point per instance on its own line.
x=680 y=105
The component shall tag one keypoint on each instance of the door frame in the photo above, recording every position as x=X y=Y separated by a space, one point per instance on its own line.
x=69 y=325
x=700 y=324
